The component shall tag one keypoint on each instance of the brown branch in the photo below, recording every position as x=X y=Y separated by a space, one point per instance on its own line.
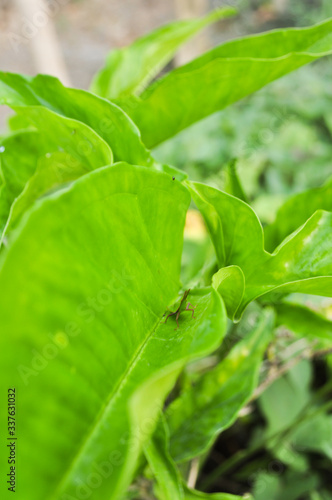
x=193 y=473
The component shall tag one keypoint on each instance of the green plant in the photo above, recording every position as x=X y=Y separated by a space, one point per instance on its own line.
x=92 y=238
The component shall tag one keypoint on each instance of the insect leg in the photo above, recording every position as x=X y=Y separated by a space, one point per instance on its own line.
x=168 y=315
x=177 y=319
x=192 y=310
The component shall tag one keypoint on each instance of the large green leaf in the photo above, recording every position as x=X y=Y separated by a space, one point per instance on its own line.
x=164 y=469
x=230 y=283
x=17 y=168
x=167 y=475
x=289 y=485
x=313 y=433
x=210 y=406
x=199 y=495
x=84 y=284
x=223 y=76
x=34 y=145
x=129 y=69
x=292 y=391
x=302 y=263
x=232 y=183
x=63 y=150
x=295 y=212
x=104 y=117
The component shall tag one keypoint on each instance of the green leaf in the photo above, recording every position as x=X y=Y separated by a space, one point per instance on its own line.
x=33 y=144
x=104 y=117
x=212 y=404
x=233 y=184
x=199 y=495
x=77 y=148
x=162 y=465
x=84 y=285
x=295 y=212
x=296 y=485
x=167 y=474
x=223 y=76
x=53 y=172
x=130 y=69
x=292 y=391
x=14 y=178
x=229 y=221
x=302 y=263
x=304 y=322
x=314 y=435
x=288 y=486
x=230 y=283
x=266 y=485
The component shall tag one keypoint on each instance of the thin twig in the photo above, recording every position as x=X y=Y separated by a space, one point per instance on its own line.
x=193 y=473
x=278 y=373
x=306 y=354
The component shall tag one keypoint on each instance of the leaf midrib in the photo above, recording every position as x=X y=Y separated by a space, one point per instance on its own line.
x=113 y=397
x=117 y=389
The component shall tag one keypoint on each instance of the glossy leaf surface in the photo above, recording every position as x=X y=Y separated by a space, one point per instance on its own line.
x=223 y=76
x=130 y=69
x=210 y=406
x=89 y=344
x=16 y=169
x=169 y=480
x=164 y=469
x=104 y=117
x=295 y=212
x=60 y=151
x=302 y=263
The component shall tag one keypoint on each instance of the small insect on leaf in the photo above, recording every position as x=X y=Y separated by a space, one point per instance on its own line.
x=184 y=306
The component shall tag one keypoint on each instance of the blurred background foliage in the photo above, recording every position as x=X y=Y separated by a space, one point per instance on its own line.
x=281 y=136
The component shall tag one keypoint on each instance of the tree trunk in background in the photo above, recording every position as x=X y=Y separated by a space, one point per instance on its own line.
x=280 y=5
x=186 y=9
x=38 y=20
